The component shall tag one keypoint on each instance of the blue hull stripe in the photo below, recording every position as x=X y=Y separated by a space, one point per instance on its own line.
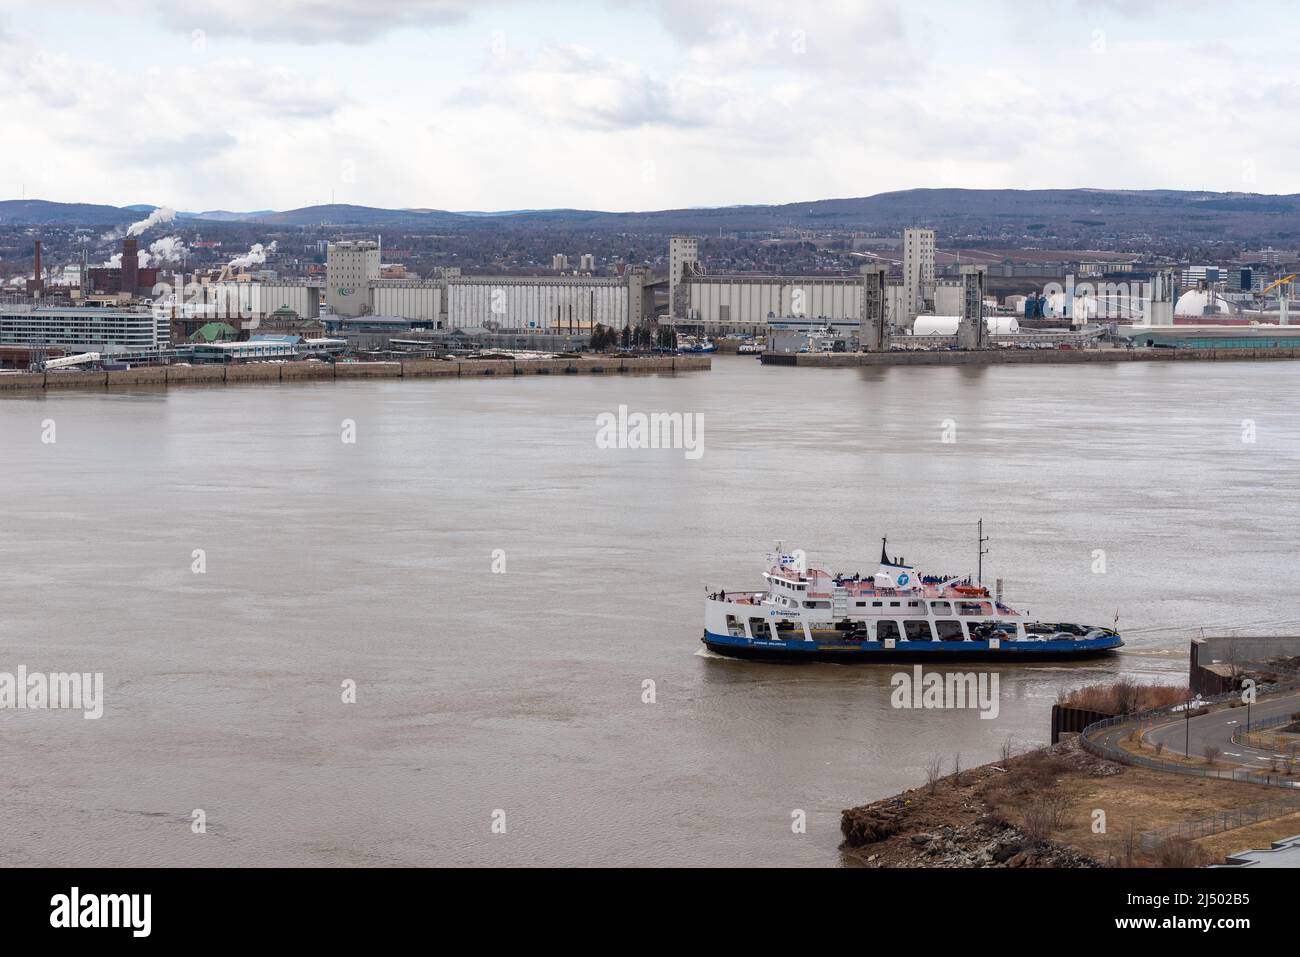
x=874 y=647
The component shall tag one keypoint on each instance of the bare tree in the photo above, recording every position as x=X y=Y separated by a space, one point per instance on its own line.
x=932 y=775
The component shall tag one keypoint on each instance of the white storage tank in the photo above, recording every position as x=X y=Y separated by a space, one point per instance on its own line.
x=947 y=325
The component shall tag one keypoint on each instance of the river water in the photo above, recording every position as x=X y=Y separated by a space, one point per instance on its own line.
x=1164 y=492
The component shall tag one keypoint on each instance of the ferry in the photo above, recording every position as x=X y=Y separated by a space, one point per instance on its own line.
x=897 y=614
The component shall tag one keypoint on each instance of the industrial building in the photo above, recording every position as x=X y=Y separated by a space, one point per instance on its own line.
x=745 y=303
x=350 y=268
x=569 y=304
x=245 y=305
x=128 y=279
x=418 y=299
x=918 y=271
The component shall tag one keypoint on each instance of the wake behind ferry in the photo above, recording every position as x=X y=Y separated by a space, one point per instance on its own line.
x=897 y=614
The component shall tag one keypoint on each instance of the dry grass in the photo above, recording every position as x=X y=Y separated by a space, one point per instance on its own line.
x=1123 y=696
x=1140 y=800
x=1056 y=794
x=1181 y=852
x=1219 y=846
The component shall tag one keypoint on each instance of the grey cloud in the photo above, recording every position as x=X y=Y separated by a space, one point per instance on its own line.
x=298 y=21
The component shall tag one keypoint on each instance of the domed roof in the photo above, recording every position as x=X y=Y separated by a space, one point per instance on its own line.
x=1192 y=303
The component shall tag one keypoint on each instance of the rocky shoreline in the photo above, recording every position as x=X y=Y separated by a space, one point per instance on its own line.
x=996 y=815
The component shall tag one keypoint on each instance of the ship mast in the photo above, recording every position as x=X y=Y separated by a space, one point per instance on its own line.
x=979 y=575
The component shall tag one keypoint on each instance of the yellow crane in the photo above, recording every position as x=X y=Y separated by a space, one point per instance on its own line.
x=1283 y=287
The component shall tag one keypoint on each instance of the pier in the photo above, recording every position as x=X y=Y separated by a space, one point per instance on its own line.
x=264 y=372
x=825 y=360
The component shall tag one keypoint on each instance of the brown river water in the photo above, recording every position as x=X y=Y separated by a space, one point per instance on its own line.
x=522 y=692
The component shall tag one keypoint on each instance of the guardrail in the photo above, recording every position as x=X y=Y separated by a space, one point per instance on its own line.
x=1221 y=821
x=1111 y=753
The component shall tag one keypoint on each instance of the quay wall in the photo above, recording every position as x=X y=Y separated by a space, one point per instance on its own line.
x=180 y=374
x=77 y=380
x=261 y=372
x=830 y=360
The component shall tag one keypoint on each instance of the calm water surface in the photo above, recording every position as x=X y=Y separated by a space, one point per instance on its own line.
x=522 y=691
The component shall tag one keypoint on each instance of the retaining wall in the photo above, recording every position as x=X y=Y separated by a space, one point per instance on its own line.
x=429 y=367
x=411 y=368
x=188 y=374
x=76 y=380
x=824 y=360
x=253 y=372
x=141 y=375
x=367 y=370
x=307 y=370
x=22 y=380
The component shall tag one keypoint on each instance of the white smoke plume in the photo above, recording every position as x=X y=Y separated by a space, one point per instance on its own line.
x=255 y=256
x=169 y=249
x=163 y=214
x=141 y=259
x=18 y=280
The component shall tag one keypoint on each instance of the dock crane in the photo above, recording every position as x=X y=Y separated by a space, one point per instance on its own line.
x=1283 y=287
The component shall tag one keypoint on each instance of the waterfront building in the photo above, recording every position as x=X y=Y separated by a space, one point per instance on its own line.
x=85 y=328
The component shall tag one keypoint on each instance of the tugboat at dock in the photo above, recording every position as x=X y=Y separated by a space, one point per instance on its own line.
x=897 y=614
x=689 y=345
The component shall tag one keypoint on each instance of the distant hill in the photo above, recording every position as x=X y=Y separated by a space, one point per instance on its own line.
x=225 y=216
x=347 y=215
x=34 y=212
x=1078 y=213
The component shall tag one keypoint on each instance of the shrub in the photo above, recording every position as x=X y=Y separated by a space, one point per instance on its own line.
x=1123 y=696
x=1180 y=852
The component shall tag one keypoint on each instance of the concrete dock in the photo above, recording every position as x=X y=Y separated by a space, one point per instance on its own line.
x=263 y=372
x=825 y=360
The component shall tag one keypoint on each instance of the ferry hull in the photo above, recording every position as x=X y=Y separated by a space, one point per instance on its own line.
x=910 y=652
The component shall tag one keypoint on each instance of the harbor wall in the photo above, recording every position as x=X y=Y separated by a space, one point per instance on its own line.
x=22 y=380
x=142 y=375
x=1067 y=720
x=253 y=372
x=1237 y=652
x=831 y=360
x=77 y=380
x=180 y=374
x=261 y=372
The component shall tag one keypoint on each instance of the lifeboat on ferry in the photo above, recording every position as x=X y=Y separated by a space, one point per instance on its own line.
x=972 y=590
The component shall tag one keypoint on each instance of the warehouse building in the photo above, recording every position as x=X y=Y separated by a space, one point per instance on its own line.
x=561 y=304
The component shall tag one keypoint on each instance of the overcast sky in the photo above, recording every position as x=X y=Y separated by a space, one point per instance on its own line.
x=637 y=104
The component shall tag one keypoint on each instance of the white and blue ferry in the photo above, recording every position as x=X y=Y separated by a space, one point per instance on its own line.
x=897 y=614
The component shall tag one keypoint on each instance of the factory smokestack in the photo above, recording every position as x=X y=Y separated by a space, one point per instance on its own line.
x=36 y=284
x=130 y=266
